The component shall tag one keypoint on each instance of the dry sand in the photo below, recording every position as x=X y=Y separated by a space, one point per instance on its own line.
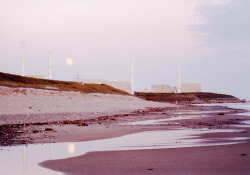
x=45 y=105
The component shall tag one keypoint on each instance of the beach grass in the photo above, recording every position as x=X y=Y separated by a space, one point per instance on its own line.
x=21 y=81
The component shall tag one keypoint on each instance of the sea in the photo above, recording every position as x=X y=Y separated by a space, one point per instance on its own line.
x=245 y=106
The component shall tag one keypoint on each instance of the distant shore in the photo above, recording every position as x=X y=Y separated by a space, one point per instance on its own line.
x=189 y=97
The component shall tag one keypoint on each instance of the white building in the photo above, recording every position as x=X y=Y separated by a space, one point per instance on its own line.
x=35 y=76
x=161 y=88
x=122 y=85
x=191 y=87
x=95 y=81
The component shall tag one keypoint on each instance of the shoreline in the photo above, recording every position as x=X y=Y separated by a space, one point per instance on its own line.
x=108 y=126
x=221 y=159
x=86 y=125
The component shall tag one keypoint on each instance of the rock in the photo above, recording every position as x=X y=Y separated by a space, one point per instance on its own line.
x=210 y=125
x=82 y=124
x=67 y=122
x=37 y=123
x=74 y=122
x=2 y=133
x=49 y=129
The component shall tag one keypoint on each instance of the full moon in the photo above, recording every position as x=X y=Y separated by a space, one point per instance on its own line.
x=69 y=61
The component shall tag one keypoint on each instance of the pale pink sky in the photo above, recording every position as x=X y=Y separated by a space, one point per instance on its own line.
x=209 y=39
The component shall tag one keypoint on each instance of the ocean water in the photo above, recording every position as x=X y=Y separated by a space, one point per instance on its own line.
x=197 y=114
x=245 y=106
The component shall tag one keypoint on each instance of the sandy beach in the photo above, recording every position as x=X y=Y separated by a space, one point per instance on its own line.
x=33 y=116
x=132 y=87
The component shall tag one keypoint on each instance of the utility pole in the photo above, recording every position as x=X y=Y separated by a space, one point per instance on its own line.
x=50 y=66
x=132 y=77
x=78 y=75
x=22 y=59
x=179 y=79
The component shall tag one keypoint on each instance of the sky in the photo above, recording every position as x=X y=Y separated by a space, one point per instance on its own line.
x=210 y=39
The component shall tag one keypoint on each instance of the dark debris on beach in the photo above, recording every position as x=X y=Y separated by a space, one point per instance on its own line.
x=11 y=134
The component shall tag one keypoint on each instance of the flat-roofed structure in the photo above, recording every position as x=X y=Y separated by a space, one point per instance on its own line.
x=95 y=81
x=191 y=87
x=161 y=88
x=35 y=76
x=122 y=85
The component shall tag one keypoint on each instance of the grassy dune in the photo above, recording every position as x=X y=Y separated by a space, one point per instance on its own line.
x=187 y=97
x=20 y=81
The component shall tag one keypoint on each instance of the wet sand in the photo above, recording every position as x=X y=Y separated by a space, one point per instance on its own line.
x=225 y=159
x=84 y=125
x=114 y=126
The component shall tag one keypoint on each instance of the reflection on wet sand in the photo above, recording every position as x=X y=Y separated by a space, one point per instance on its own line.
x=52 y=151
x=71 y=148
x=34 y=154
x=24 y=159
x=28 y=149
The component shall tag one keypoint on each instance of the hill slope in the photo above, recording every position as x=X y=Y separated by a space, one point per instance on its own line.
x=16 y=80
x=196 y=97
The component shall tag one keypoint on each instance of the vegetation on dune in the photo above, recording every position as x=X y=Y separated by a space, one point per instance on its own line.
x=186 y=97
x=20 y=81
